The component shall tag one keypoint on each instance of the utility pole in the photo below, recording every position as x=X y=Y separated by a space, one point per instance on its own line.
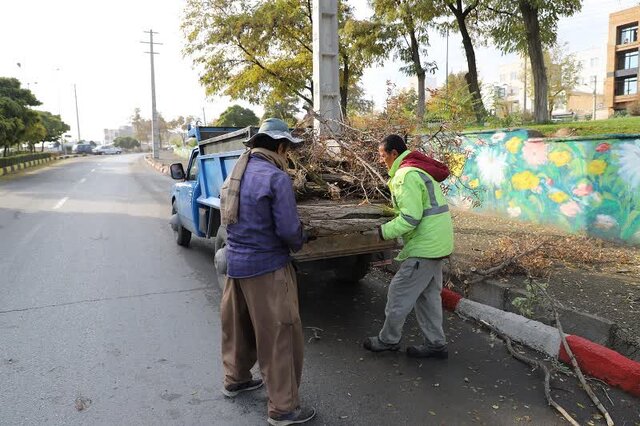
x=595 y=85
x=75 y=95
x=326 y=89
x=204 y=117
x=155 y=129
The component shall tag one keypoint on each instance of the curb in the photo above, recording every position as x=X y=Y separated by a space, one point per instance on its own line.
x=593 y=358
x=7 y=170
x=162 y=168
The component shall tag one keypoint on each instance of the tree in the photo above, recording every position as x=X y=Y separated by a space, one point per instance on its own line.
x=284 y=109
x=54 y=127
x=563 y=74
x=260 y=49
x=461 y=11
x=15 y=114
x=453 y=103
x=141 y=126
x=178 y=126
x=126 y=142
x=407 y=22
x=237 y=116
x=34 y=132
x=528 y=26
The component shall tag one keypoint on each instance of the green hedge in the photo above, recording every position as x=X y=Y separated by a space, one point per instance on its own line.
x=23 y=158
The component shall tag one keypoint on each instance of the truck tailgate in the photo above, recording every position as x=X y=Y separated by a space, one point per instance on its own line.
x=343 y=245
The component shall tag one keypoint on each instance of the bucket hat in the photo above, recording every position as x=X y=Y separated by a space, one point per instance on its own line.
x=276 y=129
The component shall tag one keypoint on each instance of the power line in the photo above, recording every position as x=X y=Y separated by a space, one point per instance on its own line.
x=155 y=129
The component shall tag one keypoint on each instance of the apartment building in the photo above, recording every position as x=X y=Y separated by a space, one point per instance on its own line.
x=621 y=86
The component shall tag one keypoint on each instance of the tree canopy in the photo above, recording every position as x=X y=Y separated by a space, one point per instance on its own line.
x=260 y=49
x=237 y=116
x=16 y=116
x=126 y=142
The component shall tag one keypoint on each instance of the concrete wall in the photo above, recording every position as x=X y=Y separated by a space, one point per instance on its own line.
x=587 y=185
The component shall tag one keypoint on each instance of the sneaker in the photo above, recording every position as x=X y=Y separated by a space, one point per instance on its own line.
x=233 y=390
x=374 y=344
x=298 y=416
x=423 y=351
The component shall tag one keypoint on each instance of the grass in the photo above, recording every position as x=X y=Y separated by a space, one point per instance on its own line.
x=626 y=125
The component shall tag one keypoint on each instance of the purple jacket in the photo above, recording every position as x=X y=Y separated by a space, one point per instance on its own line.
x=268 y=227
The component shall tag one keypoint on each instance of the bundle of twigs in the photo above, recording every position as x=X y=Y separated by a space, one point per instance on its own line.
x=345 y=165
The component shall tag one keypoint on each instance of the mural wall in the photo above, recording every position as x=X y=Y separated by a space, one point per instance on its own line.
x=578 y=184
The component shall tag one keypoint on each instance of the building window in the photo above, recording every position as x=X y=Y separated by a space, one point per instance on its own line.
x=627 y=86
x=628 y=34
x=628 y=60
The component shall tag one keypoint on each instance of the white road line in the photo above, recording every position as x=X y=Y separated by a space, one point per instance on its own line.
x=60 y=203
x=93 y=170
x=83 y=180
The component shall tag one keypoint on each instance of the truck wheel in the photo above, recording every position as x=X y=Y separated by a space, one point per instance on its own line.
x=220 y=256
x=351 y=269
x=183 y=236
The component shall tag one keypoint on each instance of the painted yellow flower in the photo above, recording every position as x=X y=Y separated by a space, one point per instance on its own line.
x=559 y=196
x=456 y=163
x=513 y=144
x=525 y=180
x=498 y=194
x=474 y=184
x=560 y=158
x=596 y=167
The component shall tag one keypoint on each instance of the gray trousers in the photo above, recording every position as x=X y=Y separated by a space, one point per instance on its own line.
x=416 y=285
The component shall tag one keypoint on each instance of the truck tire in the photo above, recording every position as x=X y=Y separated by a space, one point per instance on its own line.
x=351 y=269
x=220 y=256
x=183 y=236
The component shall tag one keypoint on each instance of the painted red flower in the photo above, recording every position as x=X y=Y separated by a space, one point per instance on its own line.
x=603 y=147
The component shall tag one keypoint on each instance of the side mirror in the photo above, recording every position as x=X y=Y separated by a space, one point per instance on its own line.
x=177 y=171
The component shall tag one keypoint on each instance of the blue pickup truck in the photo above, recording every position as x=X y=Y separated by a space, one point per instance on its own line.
x=195 y=207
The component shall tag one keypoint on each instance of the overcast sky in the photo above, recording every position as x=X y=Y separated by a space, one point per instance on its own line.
x=96 y=46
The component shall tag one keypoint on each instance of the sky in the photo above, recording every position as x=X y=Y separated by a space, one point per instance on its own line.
x=95 y=46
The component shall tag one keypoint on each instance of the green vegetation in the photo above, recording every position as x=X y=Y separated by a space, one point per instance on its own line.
x=625 y=125
x=126 y=142
x=23 y=158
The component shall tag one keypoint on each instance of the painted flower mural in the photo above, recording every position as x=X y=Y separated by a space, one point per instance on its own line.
x=491 y=165
x=580 y=185
x=535 y=153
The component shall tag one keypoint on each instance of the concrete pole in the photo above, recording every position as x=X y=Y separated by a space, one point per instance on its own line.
x=326 y=83
x=155 y=128
x=75 y=94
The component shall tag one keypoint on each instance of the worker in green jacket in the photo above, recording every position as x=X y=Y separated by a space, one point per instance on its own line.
x=424 y=223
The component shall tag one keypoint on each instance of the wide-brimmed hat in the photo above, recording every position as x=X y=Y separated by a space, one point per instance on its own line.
x=276 y=129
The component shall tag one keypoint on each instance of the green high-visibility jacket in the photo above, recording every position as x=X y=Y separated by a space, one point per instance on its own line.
x=423 y=219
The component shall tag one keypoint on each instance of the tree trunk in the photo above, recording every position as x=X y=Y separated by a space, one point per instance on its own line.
x=420 y=72
x=534 y=45
x=472 y=76
x=42 y=147
x=344 y=88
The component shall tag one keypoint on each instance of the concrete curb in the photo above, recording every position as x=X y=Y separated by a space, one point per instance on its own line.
x=162 y=168
x=7 y=170
x=593 y=358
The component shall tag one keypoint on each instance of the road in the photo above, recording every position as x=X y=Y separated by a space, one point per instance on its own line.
x=104 y=320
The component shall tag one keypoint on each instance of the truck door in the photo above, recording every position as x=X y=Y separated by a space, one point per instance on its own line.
x=188 y=192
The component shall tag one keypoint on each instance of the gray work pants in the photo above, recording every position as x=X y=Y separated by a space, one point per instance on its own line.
x=416 y=285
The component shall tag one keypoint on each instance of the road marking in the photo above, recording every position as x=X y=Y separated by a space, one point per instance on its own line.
x=60 y=203
x=83 y=180
x=93 y=170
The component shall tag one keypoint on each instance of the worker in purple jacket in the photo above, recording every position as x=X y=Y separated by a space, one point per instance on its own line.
x=259 y=308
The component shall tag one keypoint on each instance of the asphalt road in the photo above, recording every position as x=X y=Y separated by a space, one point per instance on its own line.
x=104 y=320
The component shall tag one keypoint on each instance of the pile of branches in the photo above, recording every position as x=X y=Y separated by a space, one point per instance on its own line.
x=536 y=256
x=345 y=165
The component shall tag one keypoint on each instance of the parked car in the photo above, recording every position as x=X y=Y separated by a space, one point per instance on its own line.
x=107 y=150
x=82 y=148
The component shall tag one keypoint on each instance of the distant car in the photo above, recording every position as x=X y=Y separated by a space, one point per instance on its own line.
x=82 y=148
x=107 y=150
